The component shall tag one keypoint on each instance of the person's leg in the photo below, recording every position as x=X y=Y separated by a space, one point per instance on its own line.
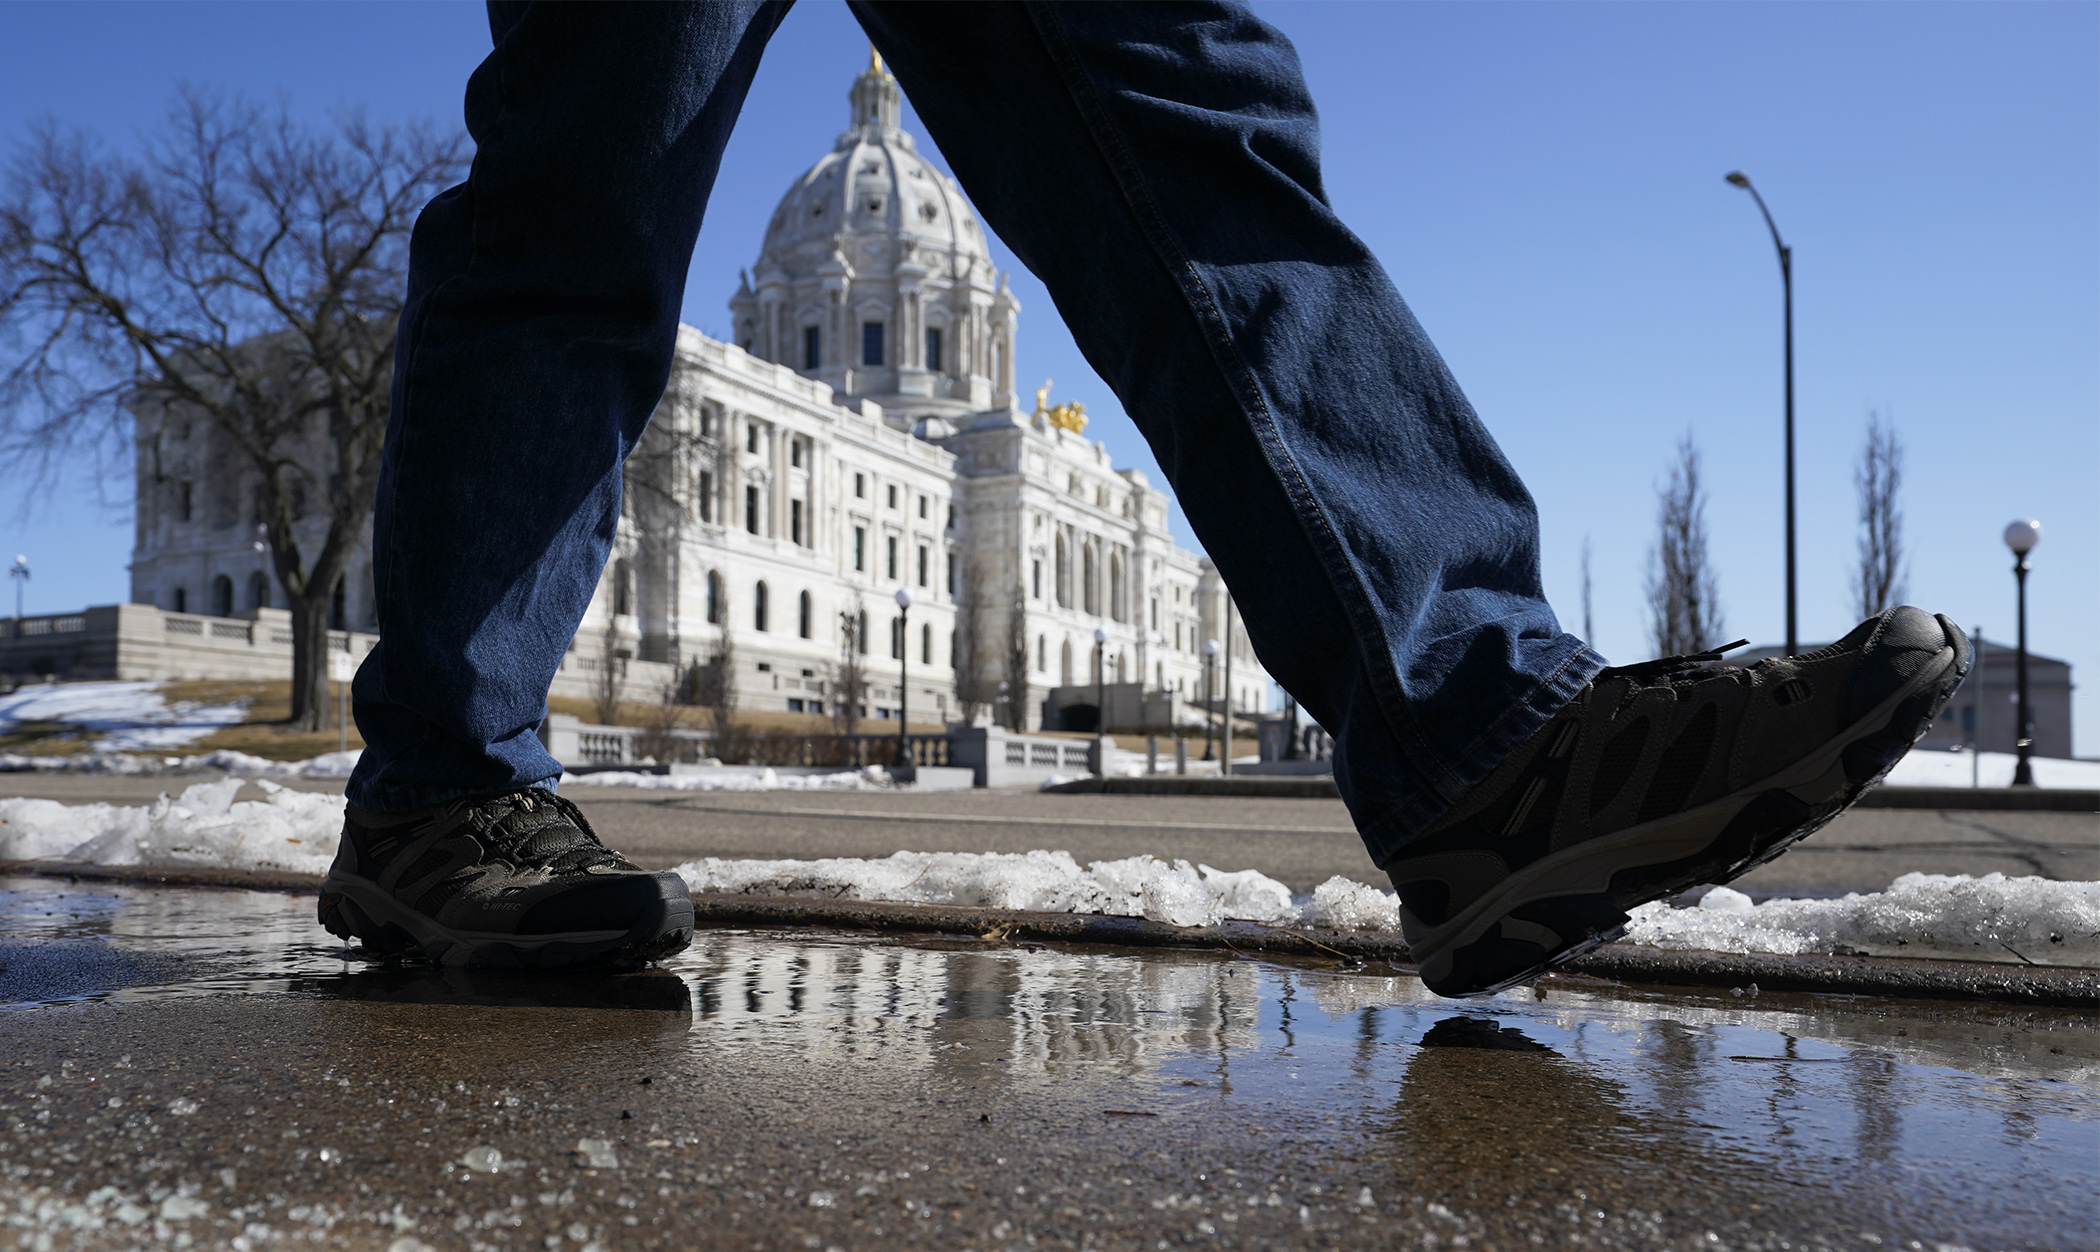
x=1157 y=166
x=536 y=340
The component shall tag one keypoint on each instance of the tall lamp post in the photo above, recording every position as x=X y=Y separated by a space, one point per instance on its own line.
x=18 y=574
x=904 y=770
x=2021 y=537
x=1210 y=695
x=1786 y=282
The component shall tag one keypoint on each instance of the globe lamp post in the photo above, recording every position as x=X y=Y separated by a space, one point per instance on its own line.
x=18 y=574
x=904 y=771
x=1737 y=178
x=2021 y=537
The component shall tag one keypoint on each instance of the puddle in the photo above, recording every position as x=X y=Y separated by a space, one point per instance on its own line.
x=1989 y=1111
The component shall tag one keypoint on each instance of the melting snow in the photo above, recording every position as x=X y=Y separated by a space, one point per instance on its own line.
x=734 y=778
x=1993 y=918
x=205 y=826
x=127 y=716
x=1957 y=769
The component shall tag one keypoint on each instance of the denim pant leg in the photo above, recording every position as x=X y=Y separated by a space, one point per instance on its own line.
x=1157 y=166
x=536 y=340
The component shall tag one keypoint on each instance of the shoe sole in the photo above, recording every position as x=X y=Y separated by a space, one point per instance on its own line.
x=1717 y=842
x=352 y=907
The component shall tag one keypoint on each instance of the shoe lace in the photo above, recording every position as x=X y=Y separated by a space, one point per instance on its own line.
x=514 y=827
x=1669 y=666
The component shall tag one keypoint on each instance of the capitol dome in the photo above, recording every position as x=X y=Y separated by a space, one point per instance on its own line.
x=875 y=277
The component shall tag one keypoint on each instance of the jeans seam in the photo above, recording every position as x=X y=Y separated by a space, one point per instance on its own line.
x=1238 y=378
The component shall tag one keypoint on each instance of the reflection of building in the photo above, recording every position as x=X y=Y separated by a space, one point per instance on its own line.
x=862 y=434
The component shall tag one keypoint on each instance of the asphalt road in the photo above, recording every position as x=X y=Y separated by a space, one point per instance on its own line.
x=814 y=1091
x=1300 y=842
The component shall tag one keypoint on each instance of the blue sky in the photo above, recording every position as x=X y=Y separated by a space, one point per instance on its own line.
x=1544 y=183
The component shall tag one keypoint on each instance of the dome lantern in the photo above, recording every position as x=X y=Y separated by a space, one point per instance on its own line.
x=877 y=104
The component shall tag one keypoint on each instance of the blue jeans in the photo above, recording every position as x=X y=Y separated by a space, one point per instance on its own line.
x=1157 y=167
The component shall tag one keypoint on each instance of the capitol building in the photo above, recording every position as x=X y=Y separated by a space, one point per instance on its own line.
x=863 y=434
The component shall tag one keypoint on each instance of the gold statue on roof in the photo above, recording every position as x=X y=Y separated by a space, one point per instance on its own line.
x=1070 y=415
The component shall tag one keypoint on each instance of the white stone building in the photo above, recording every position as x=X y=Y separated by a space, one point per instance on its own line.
x=860 y=436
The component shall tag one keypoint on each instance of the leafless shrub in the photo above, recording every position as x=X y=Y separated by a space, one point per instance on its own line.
x=1878 y=581
x=848 y=680
x=1684 y=596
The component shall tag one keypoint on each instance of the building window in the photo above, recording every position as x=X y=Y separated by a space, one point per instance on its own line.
x=933 y=348
x=758 y=605
x=922 y=565
x=893 y=495
x=1042 y=654
x=952 y=563
x=795 y=520
x=1117 y=609
x=860 y=486
x=1064 y=664
x=182 y=600
x=751 y=509
x=871 y=343
x=951 y=517
x=795 y=453
x=222 y=596
x=803 y=616
x=926 y=645
x=707 y=495
x=860 y=631
x=716 y=599
x=1089 y=579
x=811 y=345
x=622 y=588
x=1035 y=580
x=896 y=638
x=707 y=421
x=890 y=542
x=922 y=506
x=185 y=501
x=258 y=590
x=1155 y=612
x=860 y=548
x=1064 y=574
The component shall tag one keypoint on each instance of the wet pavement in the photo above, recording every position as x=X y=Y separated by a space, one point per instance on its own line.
x=193 y=1068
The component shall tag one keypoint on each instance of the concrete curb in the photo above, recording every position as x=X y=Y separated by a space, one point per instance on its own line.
x=1321 y=787
x=2038 y=986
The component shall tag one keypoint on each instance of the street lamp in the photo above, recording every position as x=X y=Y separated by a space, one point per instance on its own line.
x=1210 y=694
x=904 y=770
x=18 y=573
x=1101 y=701
x=2021 y=537
x=1786 y=282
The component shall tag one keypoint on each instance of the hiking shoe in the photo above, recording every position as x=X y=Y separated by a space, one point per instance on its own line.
x=517 y=880
x=1658 y=777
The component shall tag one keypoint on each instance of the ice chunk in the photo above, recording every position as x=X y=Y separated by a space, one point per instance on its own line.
x=482 y=1159
x=205 y=826
x=1250 y=895
x=1993 y=918
x=1346 y=904
x=596 y=1154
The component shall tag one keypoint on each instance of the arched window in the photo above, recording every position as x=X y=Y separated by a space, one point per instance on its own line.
x=802 y=624
x=896 y=638
x=623 y=587
x=222 y=596
x=1120 y=676
x=1115 y=586
x=717 y=599
x=926 y=645
x=1089 y=578
x=258 y=590
x=1065 y=664
x=758 y=605
x=1064 y=574
x=1042 y=654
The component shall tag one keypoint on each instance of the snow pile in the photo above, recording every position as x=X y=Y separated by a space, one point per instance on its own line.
x=127 y=716
x=1959 y=768
x=205 y=826
x=1348 y=905
x=1930 y=915
x=1173 y=892
x=327 y=765
x=734 y=778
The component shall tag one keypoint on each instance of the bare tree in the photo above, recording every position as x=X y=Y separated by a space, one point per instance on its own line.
x=1684 y=597
x=1589 y=620
x=245 y=271
x=1017 y=664
x=849 y=674
x=974 y=688
x=612 y=676
x=1878 y=582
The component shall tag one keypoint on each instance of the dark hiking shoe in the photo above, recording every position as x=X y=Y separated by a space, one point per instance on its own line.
x=1658 y=777
x=516 y=880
